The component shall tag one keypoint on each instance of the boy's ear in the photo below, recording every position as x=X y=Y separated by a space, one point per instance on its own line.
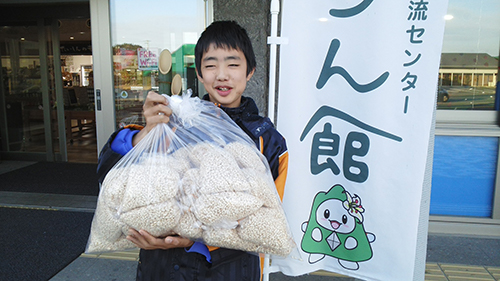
x=198 y=76
x=249 y=74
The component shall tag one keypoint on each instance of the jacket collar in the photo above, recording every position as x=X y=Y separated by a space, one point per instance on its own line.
x=247 y=111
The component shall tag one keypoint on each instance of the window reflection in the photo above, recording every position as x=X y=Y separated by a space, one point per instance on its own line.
x=140 y=32
x=468 y=74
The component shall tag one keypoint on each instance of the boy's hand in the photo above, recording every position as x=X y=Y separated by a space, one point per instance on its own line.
x=146 y=241
x=155 y=110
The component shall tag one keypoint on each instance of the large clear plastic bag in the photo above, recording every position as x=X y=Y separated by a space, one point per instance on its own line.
x=199 y=176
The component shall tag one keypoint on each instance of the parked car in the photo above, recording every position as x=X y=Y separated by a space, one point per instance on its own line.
x=442 y=95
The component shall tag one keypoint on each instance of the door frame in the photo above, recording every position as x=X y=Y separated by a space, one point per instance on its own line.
x=102 y=57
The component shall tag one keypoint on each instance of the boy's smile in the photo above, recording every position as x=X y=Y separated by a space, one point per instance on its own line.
x=224 y=75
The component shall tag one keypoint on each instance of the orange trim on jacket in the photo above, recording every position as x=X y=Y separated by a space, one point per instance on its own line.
x=281 y=179
x=134 y=126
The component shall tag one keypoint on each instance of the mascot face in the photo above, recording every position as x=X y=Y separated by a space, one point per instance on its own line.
x=332 y=215
x=335 y=229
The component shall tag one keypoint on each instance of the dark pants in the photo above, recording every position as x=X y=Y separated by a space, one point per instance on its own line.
x=177 y=264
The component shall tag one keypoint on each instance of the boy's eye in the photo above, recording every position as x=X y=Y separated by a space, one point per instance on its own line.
x=209 y=66
x=234 y=65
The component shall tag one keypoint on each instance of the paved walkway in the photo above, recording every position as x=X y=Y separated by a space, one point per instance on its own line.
x=121 y=266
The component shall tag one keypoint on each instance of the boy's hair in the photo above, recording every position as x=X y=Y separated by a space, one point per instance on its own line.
x=226 y=35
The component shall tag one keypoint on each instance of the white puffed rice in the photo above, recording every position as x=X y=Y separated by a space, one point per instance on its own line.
x=166 y=182
x=138 y=192
x=113 y=187
x=190 y=182
x=182 y=152
x=189 y=227
x=225 y=206
x=180 y=165
x=219 y=172
x=227 y=238
x=106 y=226
x=262 y=187
x=268 y=228
x=158 y=219
x=149 y=185
x=181 y=161
x=246 y=156
x=223 y=196
x=198 y=151
x=189 y=189
x=106 y=230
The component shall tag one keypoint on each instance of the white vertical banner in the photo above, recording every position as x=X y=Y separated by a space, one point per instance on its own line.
x=357 y=93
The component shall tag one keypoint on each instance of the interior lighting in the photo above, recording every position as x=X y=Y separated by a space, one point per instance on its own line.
x=448 y=17
x=71 y=38
x=323 y=19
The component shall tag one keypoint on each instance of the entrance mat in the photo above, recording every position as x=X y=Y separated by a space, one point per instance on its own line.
x=38 y=243
x=53 y=177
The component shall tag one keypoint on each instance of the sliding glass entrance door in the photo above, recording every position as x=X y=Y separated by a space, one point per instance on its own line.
x=27 y=95
x=46 y=83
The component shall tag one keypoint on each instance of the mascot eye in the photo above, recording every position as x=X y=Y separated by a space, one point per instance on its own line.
x=344 y=219
x=326 y=214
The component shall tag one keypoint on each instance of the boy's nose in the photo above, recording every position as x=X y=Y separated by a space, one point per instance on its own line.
x=222 y=74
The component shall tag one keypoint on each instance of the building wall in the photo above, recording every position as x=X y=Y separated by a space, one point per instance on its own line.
x=255 y=18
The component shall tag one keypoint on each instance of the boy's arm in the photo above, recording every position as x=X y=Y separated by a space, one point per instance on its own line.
x=118 y=144
x=155 y=110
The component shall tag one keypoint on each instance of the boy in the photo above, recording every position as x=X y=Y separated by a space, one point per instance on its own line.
x=225 y=62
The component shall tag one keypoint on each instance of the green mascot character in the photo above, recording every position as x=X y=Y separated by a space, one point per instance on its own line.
x=335 y=228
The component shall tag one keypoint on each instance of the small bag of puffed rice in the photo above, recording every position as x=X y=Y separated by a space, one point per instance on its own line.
x=200 y=177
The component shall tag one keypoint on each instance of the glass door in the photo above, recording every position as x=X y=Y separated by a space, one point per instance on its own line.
x=29 y=121
x=170 y=30
x=46 y=89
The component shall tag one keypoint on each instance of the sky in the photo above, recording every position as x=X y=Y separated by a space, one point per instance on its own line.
x=163 y=24
x=475 y=27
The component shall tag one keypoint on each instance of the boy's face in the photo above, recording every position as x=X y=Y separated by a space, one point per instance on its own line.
x=224 y=75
